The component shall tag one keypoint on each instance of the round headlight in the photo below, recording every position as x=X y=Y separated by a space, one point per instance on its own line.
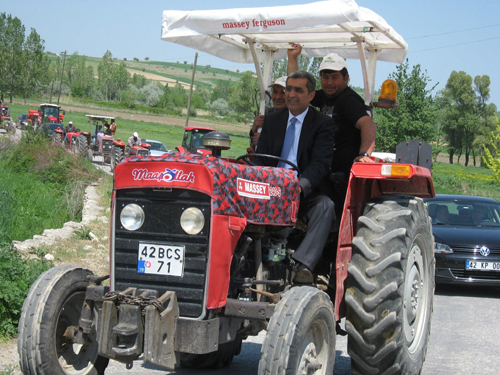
x=192 y=220
x=132 y=216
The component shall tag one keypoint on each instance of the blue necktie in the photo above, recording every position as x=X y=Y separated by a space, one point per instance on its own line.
x=288 y=143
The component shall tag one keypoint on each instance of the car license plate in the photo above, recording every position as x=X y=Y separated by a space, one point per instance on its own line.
x=160 y=259
x=482 y=266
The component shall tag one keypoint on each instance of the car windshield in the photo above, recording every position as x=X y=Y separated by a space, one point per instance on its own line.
x=464 y=213
x=157 y=146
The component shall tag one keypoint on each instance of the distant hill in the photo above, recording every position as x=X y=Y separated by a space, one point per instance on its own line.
x=170 y=72
x=173 y=72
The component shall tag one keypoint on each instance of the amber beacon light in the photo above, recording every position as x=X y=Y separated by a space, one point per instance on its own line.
x=388 y=95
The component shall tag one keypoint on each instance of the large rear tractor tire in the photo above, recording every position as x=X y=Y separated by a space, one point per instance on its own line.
x=51 y=310
x=82 y=145
x=118 y=156
x=391 y=287
x=112 y=161
x=301 y=335
x=219 y=359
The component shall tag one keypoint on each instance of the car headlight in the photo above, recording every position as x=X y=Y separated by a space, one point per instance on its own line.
x=192 y=220
x=441 y=248
x=132 y=216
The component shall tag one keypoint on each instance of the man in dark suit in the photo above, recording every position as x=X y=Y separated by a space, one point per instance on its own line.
x=305 y=137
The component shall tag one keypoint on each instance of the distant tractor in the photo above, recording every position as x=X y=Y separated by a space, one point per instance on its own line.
x=51 y=116
x=119 y=151
x=100 y=143
x=5 y=119
x=192 y=143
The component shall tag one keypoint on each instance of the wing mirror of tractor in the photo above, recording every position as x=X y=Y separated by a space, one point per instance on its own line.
x=388 y=95
x=216 y=142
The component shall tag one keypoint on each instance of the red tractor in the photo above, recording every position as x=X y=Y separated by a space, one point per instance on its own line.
x=201 y=246
x=119 y=151
x=101 y=142
x=193 y=140
x=6 y=122
x=50 y=116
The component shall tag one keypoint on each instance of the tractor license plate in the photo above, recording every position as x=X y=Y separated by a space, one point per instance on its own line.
x=482 y=266
x=160 y=259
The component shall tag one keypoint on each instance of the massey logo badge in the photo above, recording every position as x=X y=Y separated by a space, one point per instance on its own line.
x=169 y=175
x=253 y=189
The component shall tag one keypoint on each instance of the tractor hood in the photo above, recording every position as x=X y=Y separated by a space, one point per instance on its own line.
x=260 y=195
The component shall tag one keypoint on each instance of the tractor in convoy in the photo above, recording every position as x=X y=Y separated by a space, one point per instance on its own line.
x=192 y=142
x=201 y=245
x=120 y=150
x=101 y=142
x=6 y=122
x=48 y=117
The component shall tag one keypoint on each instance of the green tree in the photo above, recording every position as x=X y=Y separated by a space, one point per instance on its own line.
x=35 y=65
x=11 y=45
x=459 y=115
x=244 y=99
x=179 y=96
x=492 y=157
x=113 y=77
x=120 y=80
x=105 y=74
x=416 y=115
x=221 y=91
x=486 y=114
x=82 y=80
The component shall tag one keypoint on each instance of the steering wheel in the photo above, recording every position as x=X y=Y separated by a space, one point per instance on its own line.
x=246 y=159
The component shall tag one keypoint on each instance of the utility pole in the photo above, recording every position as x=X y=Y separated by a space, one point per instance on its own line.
x=62 y=73
x=191 y=88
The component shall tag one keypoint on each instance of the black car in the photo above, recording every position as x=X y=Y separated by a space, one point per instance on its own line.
x=467 y=238
x=22 y=121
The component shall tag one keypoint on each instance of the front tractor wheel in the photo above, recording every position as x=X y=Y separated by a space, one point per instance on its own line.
x=301 y=335
x=391 y=287
x=49 y=318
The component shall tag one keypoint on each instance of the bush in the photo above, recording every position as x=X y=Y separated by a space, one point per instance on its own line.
x=18 y=273
x=42 y=187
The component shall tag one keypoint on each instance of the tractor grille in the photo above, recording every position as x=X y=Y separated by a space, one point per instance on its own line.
x=163 y=209
x=143 y=152
x=106 y=146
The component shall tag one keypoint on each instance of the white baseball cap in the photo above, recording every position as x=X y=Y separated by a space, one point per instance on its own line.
x=332 y=62
x=70 y=123
x=281 y=81
x=136 y=135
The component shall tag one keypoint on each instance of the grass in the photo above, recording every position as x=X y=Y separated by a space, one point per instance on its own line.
x=470 y=180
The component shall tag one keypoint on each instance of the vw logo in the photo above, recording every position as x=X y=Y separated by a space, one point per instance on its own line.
x=484 y=251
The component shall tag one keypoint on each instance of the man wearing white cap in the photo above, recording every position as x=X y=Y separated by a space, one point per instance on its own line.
x=355 y=135
x=134 y=140
x=278 y=99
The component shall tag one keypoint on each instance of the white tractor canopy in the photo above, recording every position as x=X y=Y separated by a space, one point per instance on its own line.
x=95 y=119
x=262 y=35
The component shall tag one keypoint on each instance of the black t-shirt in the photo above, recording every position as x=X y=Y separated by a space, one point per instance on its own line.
x=346 y=109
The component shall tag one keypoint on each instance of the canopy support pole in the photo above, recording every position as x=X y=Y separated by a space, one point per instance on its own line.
x=362 y=59
x=264 y=79
x=372 y=69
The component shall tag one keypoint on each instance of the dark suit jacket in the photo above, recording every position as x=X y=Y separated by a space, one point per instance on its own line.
x=315 y=151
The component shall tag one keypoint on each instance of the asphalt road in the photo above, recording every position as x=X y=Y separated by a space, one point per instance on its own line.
x=465 y=340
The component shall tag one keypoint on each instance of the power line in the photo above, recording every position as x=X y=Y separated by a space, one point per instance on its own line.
x=454 y=45
x=452 y=32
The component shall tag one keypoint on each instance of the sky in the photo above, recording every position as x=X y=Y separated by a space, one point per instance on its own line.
x=443 y=35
